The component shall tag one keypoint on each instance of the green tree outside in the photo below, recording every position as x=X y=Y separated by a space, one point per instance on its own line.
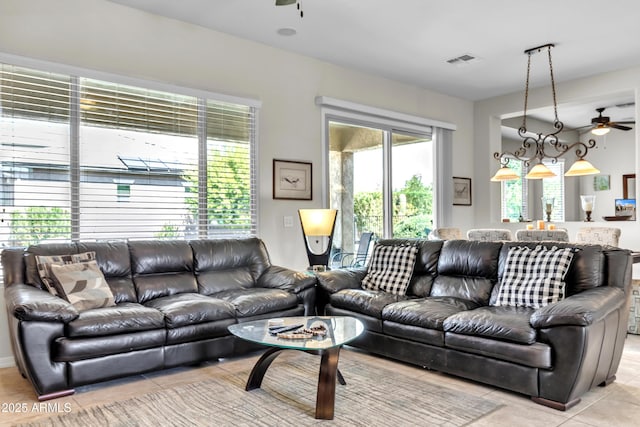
x=412 y=213
x=38 y=223
x=228 y=188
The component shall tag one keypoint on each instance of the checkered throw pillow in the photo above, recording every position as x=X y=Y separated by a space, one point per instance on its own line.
x=390 y=268
x=534 y=277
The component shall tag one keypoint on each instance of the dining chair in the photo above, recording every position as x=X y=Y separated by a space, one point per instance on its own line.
x=557 y=235
x=445 y=233
x=599 y=235
x=489 y=234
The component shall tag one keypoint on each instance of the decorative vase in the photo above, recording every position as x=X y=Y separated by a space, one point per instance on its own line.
x=588 y=203
x=547 y=206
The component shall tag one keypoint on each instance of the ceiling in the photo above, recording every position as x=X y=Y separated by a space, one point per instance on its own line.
x=411 y=40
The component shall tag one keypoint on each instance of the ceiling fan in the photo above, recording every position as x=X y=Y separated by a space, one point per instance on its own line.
x=603 y=124
x=288 y=2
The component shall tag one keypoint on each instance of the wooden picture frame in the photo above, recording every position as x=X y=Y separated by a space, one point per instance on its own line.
x=292 y=180
x=629 y=186
x=461 y=191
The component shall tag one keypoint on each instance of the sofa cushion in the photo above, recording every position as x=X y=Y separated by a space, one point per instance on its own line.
x=364 y=301
x=189 y=309
x=83 y=285
x=390 y=268
x=223 y=264
x=71 y=349
x=44 y=263
x=467 y=270
x=536 y=355
x=534 y=277
x=162 y=268
x=115 y=263
x=257 y=301
x=32 y=275
x=119 y=319
x=503 y=323
x=426 y=313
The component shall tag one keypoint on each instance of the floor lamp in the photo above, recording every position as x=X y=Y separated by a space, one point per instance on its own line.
x=318 y=224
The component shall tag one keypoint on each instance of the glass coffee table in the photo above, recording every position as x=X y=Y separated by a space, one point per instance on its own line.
x=339 y=331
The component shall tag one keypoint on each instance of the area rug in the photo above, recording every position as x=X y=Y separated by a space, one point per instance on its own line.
x=373 y=396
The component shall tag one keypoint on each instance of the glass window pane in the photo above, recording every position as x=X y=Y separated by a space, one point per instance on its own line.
x=412 y=185
x=144 y=141
x=34 y=157
x=355 y=184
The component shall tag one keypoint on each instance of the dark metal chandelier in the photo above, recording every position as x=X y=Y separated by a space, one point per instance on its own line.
x=288 y=2
x=533 y=148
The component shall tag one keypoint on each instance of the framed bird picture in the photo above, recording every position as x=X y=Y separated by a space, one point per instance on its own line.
x=291 y=180
x=461 y=191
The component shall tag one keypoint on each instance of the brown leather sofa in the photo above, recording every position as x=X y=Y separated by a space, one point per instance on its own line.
x=174 y=301
x=446 y=321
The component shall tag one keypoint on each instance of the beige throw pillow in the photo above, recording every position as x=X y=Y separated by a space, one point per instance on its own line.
x=44 y=263
x=83 y=285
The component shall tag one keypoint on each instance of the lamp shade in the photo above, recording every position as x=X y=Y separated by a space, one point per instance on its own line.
x=581 y=167
x=540 y=171
x=317 y=222
x=505 y=174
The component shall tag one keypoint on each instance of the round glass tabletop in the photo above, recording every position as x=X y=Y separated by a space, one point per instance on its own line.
x=340 y=330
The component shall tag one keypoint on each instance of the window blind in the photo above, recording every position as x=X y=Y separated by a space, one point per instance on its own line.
x=87 y=159
x=554 y=187
x=515 y=194
x=34 y=156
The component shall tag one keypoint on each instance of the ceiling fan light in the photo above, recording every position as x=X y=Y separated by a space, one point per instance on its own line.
x=600 y=130
x=505 y=174
x=540 y=171
x=581 y=167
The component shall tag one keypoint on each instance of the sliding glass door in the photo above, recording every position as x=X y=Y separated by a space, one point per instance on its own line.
x=380 y=180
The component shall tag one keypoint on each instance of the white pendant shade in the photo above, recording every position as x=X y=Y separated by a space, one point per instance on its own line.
x=581 y=167
x=540 y=171
x=505 y=174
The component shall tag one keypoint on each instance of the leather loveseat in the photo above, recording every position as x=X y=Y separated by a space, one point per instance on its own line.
x=446 y=320
x=173 y=303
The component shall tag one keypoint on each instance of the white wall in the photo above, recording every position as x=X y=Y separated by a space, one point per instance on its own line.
x=107 y=37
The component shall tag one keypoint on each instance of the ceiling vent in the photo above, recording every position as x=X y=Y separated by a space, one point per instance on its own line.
x=462 y=59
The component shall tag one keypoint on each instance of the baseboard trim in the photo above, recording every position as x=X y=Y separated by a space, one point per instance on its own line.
x=7 y=362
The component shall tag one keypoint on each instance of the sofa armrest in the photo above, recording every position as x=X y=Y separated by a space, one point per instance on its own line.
x=337 y=280
x=26 y=302
x=276 y=277
x=582 y=309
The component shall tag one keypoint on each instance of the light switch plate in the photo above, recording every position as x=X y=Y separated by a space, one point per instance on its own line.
x=288 y=221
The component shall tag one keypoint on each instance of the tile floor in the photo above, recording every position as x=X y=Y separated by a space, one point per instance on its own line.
x=615 y=405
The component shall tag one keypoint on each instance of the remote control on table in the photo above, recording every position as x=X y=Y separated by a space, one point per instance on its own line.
x=278 y=329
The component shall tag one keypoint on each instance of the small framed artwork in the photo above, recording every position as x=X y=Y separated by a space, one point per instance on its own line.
x=461 y=191
x=291 y=180
x=626 y=208
x=601 y=182
x=629 y=186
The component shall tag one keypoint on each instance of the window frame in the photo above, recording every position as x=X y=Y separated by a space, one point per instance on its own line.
x=362 y=115
x=204 y=97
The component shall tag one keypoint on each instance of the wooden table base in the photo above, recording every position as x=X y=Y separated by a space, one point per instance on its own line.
x=326 y=396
